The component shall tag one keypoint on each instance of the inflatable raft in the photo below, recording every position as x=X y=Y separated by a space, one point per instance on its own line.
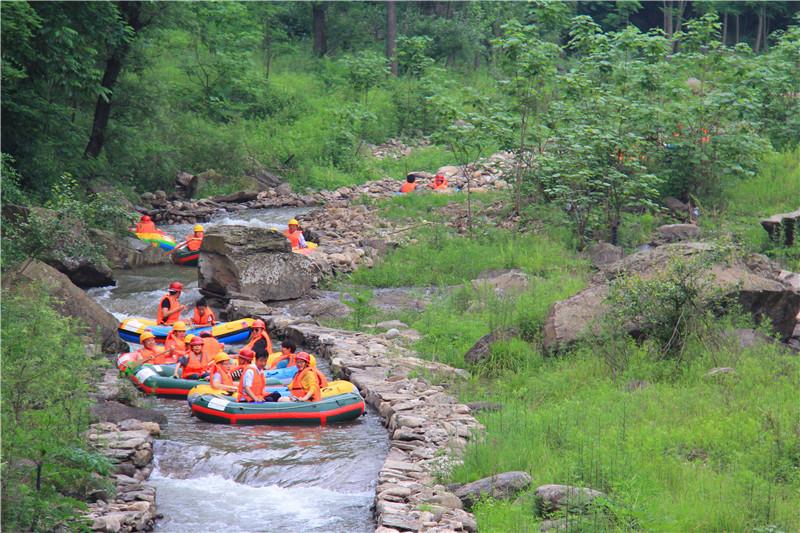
x=233 y=332
x=311 y=246
x=340 y=407
x=185 y=257
x=160 y=239
x=158 y=380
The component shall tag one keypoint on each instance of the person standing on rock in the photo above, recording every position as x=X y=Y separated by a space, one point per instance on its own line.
x=259 y=340
x=295 y=235
x=253 y=385
x=193 y=241
x=170 y=307
x=410 y=185
x=308 y=383
x=203 y=315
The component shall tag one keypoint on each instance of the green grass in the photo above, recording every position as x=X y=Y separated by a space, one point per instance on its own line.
x=688 y=454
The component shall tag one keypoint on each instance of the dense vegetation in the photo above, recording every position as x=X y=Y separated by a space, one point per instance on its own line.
x=608 y=108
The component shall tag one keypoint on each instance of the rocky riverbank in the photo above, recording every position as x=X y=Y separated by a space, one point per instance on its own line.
x=429 y=429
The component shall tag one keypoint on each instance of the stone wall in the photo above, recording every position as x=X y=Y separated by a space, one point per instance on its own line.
x=428 y=428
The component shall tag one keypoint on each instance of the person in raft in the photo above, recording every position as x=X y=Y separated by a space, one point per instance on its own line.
x=410 y=185
x=193 y=364
x=149 y=350
x=170 y=307
x=308 y=383
x=286 y=357
x=145 y=225
x=203 y=315
x=253 y=384
x=259 y=340
x=193 y=241
x=244 y=359
x=295 y=234
x=220 y=376
x=439 y=182
x=175 y=345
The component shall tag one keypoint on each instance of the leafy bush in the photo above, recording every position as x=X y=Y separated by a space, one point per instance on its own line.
x=45 y=410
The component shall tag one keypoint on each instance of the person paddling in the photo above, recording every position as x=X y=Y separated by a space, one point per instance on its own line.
x=253 y=384
x=308 y=383
x=149 y=350
x=220 y=376
x=203 y=315
x=194 y=240
x=170 y=307
x=259 y=340
x=295 y=234
x=410 y=185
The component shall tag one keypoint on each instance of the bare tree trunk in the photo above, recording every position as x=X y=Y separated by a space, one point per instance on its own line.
x=131 y=12
x=765 y=33
x=724 y=29
x=759 y=31
x=391 y=34
x=737 y=29
x=318 y=21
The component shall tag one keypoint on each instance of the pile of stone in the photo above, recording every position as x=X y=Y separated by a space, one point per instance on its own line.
x=395 y=148
x=429 y=429
x=132 y=506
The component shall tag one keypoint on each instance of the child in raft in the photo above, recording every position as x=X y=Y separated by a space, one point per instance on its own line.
x=203 y=315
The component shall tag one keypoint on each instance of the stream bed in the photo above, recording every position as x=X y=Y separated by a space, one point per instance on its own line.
x=250 y=478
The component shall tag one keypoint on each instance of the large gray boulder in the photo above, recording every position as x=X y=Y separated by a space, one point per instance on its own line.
x=482 y=349
x=755 y=285
x=129 y=252
x=71 y=301
x=501 y=486
x=551 y=498
x=253 y=264
x=603 y=254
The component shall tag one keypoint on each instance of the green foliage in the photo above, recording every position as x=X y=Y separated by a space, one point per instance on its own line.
x=45 y=410
x=358 y=302
x=365 y=70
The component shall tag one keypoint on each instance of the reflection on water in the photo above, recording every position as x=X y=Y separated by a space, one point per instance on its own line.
x=252 y=478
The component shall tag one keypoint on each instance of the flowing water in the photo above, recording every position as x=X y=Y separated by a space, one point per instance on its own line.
x=252 y=478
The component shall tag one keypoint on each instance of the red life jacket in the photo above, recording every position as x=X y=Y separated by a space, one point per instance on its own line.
x=211 y=347
x=408 y=187
x=259 y=383
x=297 y=389
x=146 y=227
x=294 y=237
x=205 y=319
x=439 y=185
x=173 y=317
x=194 y=243
x=195 y=365
x=263 y=335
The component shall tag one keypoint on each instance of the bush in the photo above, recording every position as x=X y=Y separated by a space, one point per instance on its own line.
x=45 y=410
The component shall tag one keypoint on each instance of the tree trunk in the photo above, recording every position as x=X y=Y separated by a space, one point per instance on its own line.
x=765 y=33
x=757 y=47
x=320 y=39
x=724 y=29
x=131 y=12
x=737 y=29
x=391 y=34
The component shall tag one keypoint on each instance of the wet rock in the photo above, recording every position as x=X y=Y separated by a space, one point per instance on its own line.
x=243 y=261
x=238 y=308
x=70 y=301
x=552 y=498
x=501 y=486
x=678 y=232
x=112 y=411
x=603 y=254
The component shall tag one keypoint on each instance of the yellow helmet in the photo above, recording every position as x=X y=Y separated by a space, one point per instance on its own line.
x=179 y=326
x=220 y=357
x=294 y=221
x=146 y=335
x=188 y=338
x=198 y=227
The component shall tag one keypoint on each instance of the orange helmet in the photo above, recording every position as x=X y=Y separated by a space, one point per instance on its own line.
x=303 y=356
x=145 y=218
x=258 y=323
x=246 y=354
x=176 y=286
x=196 y=341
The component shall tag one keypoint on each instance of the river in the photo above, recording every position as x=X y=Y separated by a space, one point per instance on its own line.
x=251 y=478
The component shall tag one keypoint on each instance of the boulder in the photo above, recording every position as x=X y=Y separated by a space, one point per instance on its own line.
x=83 y=271
x=449 y=171
x=503 y=282
x=128 y=252
x=783 y=223
x=552 y=498
x=186 y=185
x=252 y=263
x=316 y=308
x=238 y=308
x=755 y=289
x=482 y=349
x=70 y=301
x=502 y=486
x=678 y=232
x=284 y=189
x=116 y=412
x=603 y=254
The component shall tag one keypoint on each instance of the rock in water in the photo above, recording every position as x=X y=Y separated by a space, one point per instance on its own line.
x=253 y=263
x=70 y=301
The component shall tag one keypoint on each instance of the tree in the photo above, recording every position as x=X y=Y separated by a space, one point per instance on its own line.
x=318 y=10
x=391 y=35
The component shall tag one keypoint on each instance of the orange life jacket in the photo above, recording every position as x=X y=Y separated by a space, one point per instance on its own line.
x=264 y=335
x=173 y=317
x=211 y=347
x=195 y=365
x=439 y=185
x=206 y=319
x=297 y=389
x=163 y=358
x=290 y=358
x=178 y=346
x=225 y=376
x=294 y=237
x=144 y=353
x=146 y=227
x=259 y=383
x=194 y=243
x=408 y=187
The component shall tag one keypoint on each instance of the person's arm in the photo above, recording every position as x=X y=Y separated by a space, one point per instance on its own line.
x=169 y=310
x=183 y=361
x=302 y=241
